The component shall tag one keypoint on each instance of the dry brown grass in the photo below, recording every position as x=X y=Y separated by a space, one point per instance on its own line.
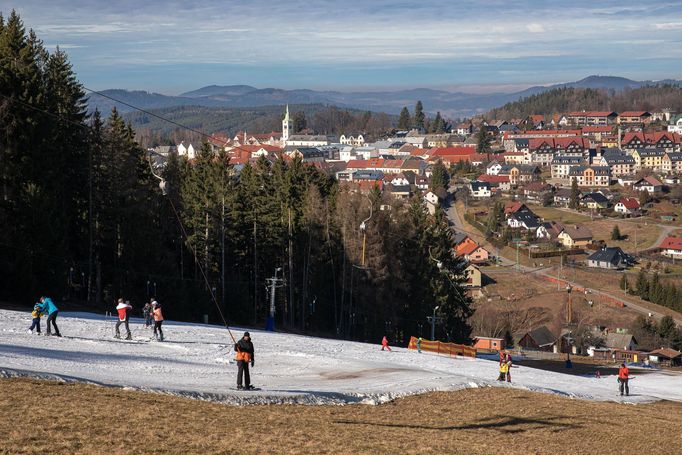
x=48 y=417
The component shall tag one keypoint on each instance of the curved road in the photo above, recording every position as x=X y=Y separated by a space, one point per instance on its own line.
x=456 y=220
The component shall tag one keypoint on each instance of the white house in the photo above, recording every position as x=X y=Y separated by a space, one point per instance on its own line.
x=186 y=151
x=671 y=247
x=480 y=189
x=675 y=125
x=628 y=206
x=493 y=168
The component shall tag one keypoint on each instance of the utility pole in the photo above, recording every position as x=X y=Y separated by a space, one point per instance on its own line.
x=558 y=276
x=255 y=272
x=274 y=283
x=432 y=320
x=569 y=306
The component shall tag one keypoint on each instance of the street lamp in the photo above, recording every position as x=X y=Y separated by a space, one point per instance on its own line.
x=433 y=323
x=363 y=228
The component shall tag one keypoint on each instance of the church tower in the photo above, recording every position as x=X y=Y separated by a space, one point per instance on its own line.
x=287 y=127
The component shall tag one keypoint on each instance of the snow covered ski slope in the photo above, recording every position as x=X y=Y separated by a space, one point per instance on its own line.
x=197 y=361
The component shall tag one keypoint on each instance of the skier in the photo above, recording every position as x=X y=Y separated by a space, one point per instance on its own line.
x=48 y=307
x=158 y=319
x=245 y=354
x=384 y=344
x=123 y=317
x=419 y=345
x=147 y=313
x=623 y=378
x=35 y=314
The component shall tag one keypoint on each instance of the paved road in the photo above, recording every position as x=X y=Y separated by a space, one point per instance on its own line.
x=456 y=220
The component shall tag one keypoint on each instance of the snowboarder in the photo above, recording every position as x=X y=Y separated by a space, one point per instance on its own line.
x=158 y=320
x=35 y=314
x=123 y=308
x=245 y=354
x=508 y=361
x=623 y=378
x=48 y=307
x=147 y=313
x=419 y=345
x=384 y=344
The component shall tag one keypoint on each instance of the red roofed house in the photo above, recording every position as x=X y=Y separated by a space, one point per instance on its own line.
x=496 y=181
x=671 y=247
x=659 y=139
x=634 y=118
x=649 y=183
x=628 y=206
x=472 y=251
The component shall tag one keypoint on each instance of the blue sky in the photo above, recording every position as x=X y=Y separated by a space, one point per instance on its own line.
x=174 y=46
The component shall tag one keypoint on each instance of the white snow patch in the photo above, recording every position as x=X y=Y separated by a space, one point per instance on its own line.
x=197 y=361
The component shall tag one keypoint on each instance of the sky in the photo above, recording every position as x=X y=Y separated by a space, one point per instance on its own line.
x=174 y=46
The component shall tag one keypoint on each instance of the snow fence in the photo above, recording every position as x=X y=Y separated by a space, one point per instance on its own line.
x=449 y=349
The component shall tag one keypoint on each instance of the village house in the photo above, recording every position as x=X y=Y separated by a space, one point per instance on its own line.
x=575 y=236
x=594 y=201
x=628 y=206
x=610 y=258
x=562 y=197
x=472 y=251
x=536 y=191
x=352 y=139
x=649 y=183
x=525 y=220
x=620 y=341
x=668 y=141
x=631 y=118
x=399 y=191
x=539 y=339
x=561 y=166
x=591 y=118
x=618 y=162
x=590 y=176
x=675 y=125
x=672 y=163
x=549 y=230
x=671 y=247
x=648 y=158
x=497 y=182
x=666 y=356
x=480 y=189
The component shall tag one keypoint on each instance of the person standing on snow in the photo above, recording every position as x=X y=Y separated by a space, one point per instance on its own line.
x=147 y=313
x=508 y=361
x=36 y=319
x=504 y=369
x=384 y=344
x=419 y=345
x=123 y=309
x=245 y=354
x=623 y=378
x=158 y=320
x=48 y=307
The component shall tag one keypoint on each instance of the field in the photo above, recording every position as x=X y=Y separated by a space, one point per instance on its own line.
x=90 y=419
x=563 y=216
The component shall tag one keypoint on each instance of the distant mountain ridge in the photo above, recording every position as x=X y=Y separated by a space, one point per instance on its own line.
x=451 y=104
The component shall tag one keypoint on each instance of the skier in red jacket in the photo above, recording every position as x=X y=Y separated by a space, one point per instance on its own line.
x=623 y=378
x=384 y=344
x=123 y=316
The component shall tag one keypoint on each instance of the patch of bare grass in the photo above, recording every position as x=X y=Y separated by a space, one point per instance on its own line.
x=48 y=417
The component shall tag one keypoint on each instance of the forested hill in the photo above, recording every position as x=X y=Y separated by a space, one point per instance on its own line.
x=566 y=99
x=320 y=118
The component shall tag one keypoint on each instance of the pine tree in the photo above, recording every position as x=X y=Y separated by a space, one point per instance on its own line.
x=438 y=124
x=644 y=198
x=642 y=285
x=667 y=329
x=404 y=121
x=615 y=233
x=484 y=142
x=419 y=116
x=574 y=201
x=624 y=285
x=299 y=121
x=439 y=177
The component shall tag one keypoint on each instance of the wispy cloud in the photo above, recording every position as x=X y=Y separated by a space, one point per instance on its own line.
x=291 y=42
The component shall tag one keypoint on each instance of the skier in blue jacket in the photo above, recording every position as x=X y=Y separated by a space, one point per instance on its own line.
x=48 y=307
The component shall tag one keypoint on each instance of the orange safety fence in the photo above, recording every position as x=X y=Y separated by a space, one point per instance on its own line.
x=449 y=349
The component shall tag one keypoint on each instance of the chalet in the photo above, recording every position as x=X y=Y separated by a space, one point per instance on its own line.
x=649 y=184
x=539 y=339
x=561 y=165
x=618 y=162
x=575 y=236
x=472 y=252
x=595 y=201
x=671 y=247
x=610 y=258
x=634 y=118
x=672 y=163
x=480 y=189
x=590 y=176
x=523 y=220
x=666 y=356
x=621 y=341
x=628 y=206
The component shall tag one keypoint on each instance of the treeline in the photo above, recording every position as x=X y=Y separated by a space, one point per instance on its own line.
x=567 y=99
x=85 y=221
x=317 y=118
x=653 y=290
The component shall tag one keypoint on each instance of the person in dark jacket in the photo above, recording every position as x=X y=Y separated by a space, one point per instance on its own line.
x=245 y=354
x=48 y=307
